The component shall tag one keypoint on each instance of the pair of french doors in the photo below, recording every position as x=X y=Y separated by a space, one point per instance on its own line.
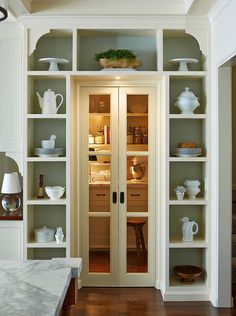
x=118 y=185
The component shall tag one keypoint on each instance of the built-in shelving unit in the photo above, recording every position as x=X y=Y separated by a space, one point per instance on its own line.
x=155 y=47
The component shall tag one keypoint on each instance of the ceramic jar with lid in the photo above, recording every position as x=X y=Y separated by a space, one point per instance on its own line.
x=44 y=234
x=187 y=102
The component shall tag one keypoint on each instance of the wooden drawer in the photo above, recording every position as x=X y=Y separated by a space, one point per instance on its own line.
x=99 y=194
x=137 y=194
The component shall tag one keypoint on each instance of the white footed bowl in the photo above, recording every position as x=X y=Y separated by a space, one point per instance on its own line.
x=54 y=193
x=192 y=192
x=192 y=183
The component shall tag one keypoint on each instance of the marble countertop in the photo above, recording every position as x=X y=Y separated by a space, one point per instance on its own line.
x=35 y=287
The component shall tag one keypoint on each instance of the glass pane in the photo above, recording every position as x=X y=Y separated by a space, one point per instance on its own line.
x=99 y=244
x=137 y=244
x=137 y=122
x=137 y=184
x=99 y=183
x=99 y=121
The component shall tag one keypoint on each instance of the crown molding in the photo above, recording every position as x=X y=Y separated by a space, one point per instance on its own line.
x=218 y=9
x=113 y=22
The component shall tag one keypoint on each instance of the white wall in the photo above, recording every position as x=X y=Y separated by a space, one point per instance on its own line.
x=223 y=48
x=11 y=135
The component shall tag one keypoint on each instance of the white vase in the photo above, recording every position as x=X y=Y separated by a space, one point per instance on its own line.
x=180 y=195
x=192 y=192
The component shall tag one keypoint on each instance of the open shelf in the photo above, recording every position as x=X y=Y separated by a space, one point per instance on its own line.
x=40 y=85
x=43 y=253
x=57 y=43
x=178 y=44
x=195 y=213
x=142 y=42
x=187 y=256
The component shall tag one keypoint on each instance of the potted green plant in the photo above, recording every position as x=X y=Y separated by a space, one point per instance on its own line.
x=117 y=58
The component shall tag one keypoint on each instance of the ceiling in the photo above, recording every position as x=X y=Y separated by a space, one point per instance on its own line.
x=104 y=7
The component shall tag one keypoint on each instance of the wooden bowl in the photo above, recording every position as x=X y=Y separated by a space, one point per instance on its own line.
x=187 y=273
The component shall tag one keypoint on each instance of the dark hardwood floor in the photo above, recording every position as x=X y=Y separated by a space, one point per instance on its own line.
x=139 y=302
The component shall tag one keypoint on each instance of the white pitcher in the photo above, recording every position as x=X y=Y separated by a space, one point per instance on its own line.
x=48 y=102
x=188 y=229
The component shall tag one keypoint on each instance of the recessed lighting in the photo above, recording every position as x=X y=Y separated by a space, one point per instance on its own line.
x=117 y=78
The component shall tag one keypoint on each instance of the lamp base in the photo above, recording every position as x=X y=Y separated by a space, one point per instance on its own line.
x=11 y=202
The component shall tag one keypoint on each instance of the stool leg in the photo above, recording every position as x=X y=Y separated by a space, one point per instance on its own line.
x=137 y=241
x=141 y=243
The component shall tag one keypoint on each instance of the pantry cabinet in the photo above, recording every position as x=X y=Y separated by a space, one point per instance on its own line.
x=101 y=136
x=116 y=188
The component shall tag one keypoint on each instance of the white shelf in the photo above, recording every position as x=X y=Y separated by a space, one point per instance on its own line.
x=190 y=159
x=47 y=159
x=188 y=116
x=51 y=74
x=175 y=284
x=51 y=244
x=178 y=243
x=46 y=116
x=46 y=201
x=186 y=201
x=192 y=74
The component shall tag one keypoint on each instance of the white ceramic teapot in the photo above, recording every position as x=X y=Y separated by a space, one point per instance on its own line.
x=48 y=103
x=188 y=229
x=187 y=102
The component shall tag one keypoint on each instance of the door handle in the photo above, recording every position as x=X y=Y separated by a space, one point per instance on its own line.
x=122 y=197
x=114 y=197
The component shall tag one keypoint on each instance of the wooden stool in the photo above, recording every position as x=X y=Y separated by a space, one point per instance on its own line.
x=137 y=225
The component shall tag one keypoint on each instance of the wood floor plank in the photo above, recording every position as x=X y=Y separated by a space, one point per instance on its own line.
x=139 y=302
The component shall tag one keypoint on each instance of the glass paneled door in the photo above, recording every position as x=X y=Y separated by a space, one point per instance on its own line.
x=118 y=186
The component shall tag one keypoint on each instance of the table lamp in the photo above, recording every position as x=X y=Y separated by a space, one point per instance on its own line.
x=10 y=187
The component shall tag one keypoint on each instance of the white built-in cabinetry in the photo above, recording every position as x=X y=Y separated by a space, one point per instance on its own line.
x=154 y=47
x=11 y=235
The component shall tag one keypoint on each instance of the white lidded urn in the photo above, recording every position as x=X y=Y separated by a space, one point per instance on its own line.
x=187 y=102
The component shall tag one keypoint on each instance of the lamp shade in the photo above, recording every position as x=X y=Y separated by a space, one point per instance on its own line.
x=11 y=183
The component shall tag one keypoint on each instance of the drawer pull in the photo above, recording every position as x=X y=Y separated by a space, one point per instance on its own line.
x=135 y=194
x=101 y=194
x=122 y=197
x=114 y=197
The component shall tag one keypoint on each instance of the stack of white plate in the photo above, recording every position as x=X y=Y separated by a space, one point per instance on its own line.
x=187 y=152
x=44 y=152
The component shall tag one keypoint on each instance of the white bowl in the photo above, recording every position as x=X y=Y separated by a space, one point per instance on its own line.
x=48 y=144
x=192 y=183
x=54 y=193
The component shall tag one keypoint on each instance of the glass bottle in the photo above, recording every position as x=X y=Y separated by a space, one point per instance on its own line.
x=41 y=192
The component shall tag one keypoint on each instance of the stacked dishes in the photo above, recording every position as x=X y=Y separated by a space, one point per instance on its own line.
x=48 y=152
x=187 y=152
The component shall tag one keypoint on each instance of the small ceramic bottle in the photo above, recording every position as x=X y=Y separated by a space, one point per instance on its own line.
x=41 y=192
